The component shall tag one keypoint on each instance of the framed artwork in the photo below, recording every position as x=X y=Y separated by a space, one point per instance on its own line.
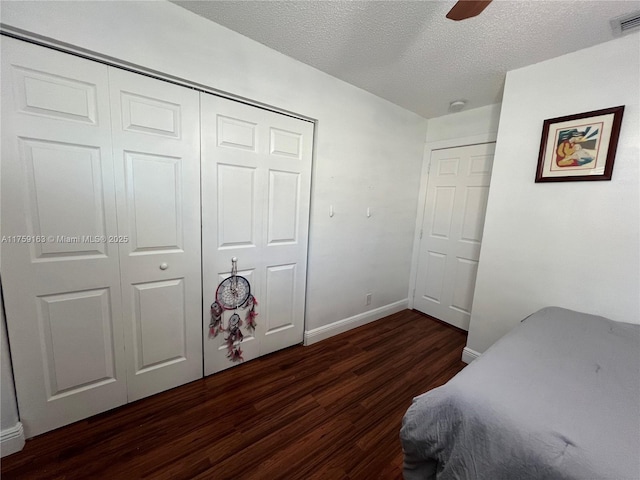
x=579 y=147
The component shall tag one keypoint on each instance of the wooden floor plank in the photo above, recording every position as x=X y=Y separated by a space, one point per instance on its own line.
x=329 y=411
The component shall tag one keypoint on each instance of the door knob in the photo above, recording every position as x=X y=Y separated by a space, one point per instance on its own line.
x=163 y=266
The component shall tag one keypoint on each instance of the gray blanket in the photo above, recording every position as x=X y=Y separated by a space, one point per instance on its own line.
x=558 y=397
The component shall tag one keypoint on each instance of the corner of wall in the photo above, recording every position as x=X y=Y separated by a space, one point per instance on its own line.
x=469 y=355
x=11 y=440
x=11 y=434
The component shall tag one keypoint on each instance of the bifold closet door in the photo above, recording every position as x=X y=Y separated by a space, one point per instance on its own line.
x=256 y=176
x=100 y=256
x=156 y=146
x=60 y=273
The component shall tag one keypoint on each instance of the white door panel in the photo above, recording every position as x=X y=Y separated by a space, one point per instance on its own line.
x=256 y=172
x=61 y=282
x=455 y=206
x=156 y=144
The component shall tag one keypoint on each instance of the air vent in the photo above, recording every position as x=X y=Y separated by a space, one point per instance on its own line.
x=626 y=24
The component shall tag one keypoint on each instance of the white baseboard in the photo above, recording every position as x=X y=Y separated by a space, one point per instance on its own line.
x=469 y=355
x=326 y=331
x=11 y=440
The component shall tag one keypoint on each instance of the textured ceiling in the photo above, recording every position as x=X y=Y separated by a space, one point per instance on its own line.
x=408 y=52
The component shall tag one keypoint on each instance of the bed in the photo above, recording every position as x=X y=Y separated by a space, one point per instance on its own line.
x=558 y=397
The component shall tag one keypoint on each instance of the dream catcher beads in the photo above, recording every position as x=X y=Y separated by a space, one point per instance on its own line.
x=234 y=338
x=233 y=292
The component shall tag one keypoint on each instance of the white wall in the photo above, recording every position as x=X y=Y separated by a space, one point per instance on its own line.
x=8 y=411
x=570 y=244
x=11 y=432
x=469 y=123
x=368 y=151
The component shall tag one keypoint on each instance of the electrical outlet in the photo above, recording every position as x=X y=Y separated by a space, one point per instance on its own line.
x=367 y=299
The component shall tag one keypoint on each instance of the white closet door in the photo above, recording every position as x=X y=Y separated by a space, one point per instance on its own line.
x=256 y=173
x=156 y=142
x=455 y=207
x=59 y=271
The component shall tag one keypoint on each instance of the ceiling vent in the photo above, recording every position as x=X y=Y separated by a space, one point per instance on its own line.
x=626 y=24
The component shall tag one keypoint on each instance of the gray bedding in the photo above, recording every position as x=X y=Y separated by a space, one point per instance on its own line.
x=558 y=397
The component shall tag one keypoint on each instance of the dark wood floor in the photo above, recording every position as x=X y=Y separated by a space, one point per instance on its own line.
x=332 y=410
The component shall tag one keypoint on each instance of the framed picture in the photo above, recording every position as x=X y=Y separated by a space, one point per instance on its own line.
x=579 y=147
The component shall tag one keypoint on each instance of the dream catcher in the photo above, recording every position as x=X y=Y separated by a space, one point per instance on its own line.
x=233 y=292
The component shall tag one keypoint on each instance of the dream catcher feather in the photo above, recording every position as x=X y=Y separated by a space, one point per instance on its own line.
x=233 y=293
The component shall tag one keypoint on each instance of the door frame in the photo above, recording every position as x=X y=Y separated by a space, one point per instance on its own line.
x=54 y=44
x=429 y=148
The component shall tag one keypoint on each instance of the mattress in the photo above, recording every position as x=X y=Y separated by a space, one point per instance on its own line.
x=558 y=397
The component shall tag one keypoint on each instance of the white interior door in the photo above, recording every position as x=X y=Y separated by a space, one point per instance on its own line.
x=60 y=273
x=156 y=146
x=451 y=235
x=256 y=175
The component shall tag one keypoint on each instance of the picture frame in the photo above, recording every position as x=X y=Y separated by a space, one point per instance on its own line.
x=580 y=147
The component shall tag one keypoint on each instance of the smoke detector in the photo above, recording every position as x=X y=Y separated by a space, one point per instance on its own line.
x=625 y=24
x=456 y=106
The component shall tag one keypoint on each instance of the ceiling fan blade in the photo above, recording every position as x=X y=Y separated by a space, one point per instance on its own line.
x=467 y=8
